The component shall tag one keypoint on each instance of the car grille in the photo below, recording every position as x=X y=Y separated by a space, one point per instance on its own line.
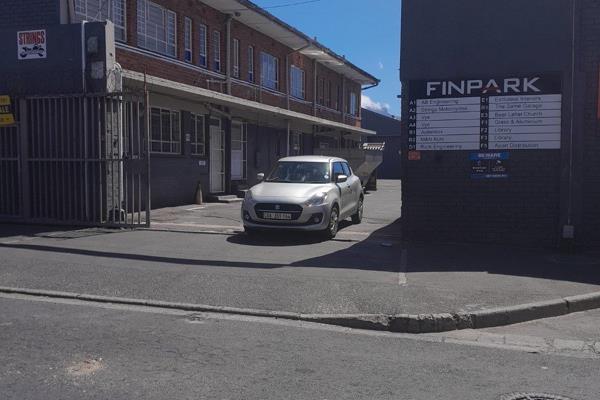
x=293 y=209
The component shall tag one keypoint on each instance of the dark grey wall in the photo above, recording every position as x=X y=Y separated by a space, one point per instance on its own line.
x=59 y=73
x=473 y=39
x=382 y=124
x=30 y=14
x=588 y=63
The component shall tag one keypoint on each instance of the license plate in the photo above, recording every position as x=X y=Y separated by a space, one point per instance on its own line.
x=279 y=216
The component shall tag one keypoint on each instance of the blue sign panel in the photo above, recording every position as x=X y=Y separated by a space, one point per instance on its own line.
x=489 y=165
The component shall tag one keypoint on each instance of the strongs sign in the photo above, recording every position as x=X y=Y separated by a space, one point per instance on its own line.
x=31 y=45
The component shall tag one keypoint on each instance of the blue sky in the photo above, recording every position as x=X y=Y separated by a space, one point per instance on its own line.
x=367 y=32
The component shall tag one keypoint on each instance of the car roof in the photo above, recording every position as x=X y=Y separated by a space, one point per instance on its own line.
x=312 y=159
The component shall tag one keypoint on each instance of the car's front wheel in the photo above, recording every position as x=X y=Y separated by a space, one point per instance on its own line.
x=334 y=221
x=358 y=216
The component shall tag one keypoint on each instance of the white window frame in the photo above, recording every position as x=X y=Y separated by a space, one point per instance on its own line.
x=188 y=54
x=236 y=58
x=251 y=77
x=243 y=144
x=216 y=41
x=113 y=10
x=161 y=38
x=173 y=144
x=295 y=143
x=198 y=139
x=297 y=82
x=353 y=104
x=202 y=51
x=269 y=71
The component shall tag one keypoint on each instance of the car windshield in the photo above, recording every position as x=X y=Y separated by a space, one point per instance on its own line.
x=300 y=172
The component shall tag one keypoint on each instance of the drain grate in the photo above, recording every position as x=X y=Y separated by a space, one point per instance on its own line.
x=532 y=396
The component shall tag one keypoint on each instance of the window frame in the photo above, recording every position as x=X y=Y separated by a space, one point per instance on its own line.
x=293 y=82
x=235 y=47
x=216 y=42
x=81 y=14
x=194 y=142
x=170 y=31
x=352 y=104
x=251 y=77
x=244 y=149
x=203 y=47
x=174 y=145
x=188 y=41
x=264 y=56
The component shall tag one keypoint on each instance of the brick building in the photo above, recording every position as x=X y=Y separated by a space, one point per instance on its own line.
x=232 y=88
x=502 y=132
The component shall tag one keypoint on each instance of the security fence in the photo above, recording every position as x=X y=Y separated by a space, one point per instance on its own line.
x=80 y=159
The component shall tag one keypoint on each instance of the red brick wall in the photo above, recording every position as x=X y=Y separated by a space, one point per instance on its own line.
x=214 y=20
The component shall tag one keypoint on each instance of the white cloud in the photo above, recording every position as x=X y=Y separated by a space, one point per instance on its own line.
x=369 y=104
x=380 y=65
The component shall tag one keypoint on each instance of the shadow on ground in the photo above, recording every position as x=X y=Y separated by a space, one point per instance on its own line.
x=380 y=251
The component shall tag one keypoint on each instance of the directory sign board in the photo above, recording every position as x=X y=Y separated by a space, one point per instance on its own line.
x=501 y=113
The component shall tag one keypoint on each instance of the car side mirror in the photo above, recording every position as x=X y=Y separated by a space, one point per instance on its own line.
x=260 y=177
x=341 y=179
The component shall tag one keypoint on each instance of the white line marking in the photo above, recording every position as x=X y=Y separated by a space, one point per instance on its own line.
x=402 y=281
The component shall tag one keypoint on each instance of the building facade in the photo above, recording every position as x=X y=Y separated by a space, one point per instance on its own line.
x=501 y=137
x=231 y=87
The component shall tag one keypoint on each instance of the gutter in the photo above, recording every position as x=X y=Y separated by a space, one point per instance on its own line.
x=371 y=86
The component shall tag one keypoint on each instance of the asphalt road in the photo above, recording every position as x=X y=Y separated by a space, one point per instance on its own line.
x=365 y=270
x=54 y=350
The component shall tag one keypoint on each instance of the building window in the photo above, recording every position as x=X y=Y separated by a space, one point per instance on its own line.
x=353 y=104
x=236 y=58
x=165 y=131
x=338 y=96
x=328 y=94
x=297 y=76
x=321 y=92
x=269 y=71
x=198 y=138
x=187 y=52
x=156 y=29
x=101 y=10
x=295 y=144
x=217 y=50
x=239 y=146
x=250 y=64
x=203 y=58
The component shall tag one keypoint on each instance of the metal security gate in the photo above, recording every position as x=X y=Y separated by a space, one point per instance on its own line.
x=10 y=185
x=79 y=160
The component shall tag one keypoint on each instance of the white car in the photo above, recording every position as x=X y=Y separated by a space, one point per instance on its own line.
x=307 y=193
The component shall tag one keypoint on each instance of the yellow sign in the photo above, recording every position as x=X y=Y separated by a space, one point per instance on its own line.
x=6 y=115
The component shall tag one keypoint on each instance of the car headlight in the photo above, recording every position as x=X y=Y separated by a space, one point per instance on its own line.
x=317 y=200
x=248 y=195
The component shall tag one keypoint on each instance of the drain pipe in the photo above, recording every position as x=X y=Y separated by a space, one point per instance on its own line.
x=569 y=230
x=83 y=52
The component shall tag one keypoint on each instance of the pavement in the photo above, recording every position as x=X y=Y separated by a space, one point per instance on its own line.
x=198 y=255
x=53 y=348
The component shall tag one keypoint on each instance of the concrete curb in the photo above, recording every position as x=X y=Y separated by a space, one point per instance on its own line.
x=405 y=323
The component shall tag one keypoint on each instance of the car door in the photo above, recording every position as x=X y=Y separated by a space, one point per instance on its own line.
x=345 y=189
x=355 y=187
